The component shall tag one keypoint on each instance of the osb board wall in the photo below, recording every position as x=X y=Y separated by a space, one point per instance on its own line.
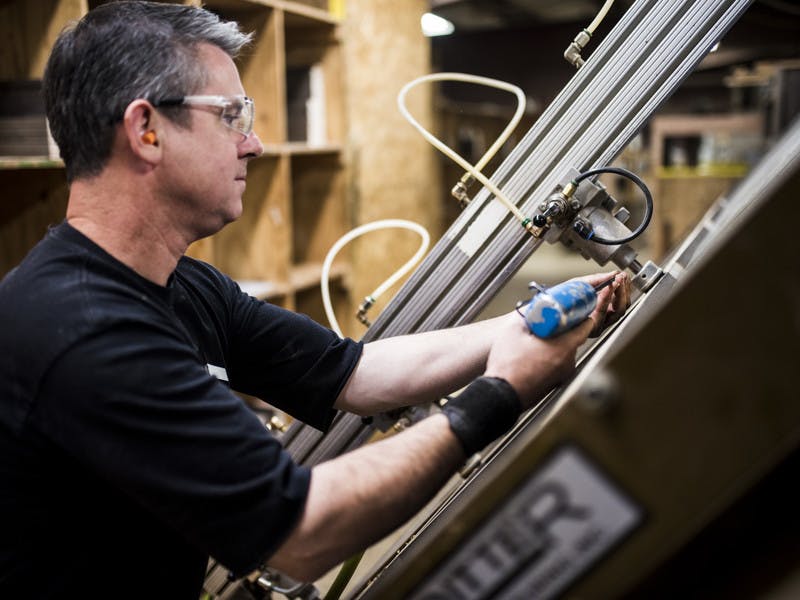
x=260 y=71
x=34 y=200
x=393 y=171
x=257 y=245
x=679 y=204
x=29 y=30
x=318 y=218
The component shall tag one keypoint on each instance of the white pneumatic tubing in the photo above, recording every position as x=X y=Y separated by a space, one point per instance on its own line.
x=449 y=152
x=600 y=16
x=359 y=231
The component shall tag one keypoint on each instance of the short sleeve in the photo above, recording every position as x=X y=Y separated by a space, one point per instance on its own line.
x=289 y=360
x=136 y=407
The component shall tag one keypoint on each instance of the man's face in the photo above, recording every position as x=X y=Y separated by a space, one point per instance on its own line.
x=205 y=166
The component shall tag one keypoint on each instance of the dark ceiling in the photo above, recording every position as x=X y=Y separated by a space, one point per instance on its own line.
x=484 y=15
x=522 y=41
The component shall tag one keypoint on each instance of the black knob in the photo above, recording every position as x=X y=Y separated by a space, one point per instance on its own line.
x=583 y=229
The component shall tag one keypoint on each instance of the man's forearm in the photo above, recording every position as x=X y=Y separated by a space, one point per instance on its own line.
x=359 y=497
x=412 y=369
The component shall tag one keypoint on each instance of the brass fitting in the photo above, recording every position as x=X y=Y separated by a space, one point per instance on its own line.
x=573 y=52
x=459 y=191
x=535 y=231
x=361 y=315
x=569 y=189
x=277 y=424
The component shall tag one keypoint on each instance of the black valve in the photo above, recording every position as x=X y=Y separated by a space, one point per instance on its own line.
x=583 y=229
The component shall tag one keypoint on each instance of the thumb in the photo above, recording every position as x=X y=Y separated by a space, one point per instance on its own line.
x=579 y=334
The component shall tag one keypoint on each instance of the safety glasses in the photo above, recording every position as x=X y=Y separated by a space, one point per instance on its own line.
x=238 y=112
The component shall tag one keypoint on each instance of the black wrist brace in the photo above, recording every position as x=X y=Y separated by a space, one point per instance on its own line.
x=483 y=412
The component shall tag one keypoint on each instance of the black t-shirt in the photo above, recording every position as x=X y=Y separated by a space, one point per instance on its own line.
x=125 y=458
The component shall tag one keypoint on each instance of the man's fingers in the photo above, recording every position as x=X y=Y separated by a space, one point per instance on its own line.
x=623 y=295
x=596 y=278
x=620 y=300
x=581 y=332
x=604 y=300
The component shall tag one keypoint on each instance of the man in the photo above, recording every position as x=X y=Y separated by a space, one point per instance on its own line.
x=125 y=463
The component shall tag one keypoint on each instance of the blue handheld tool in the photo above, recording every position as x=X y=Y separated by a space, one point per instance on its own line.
x=552 y=311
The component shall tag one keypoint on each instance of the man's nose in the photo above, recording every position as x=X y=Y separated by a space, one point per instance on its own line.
x=251 y=146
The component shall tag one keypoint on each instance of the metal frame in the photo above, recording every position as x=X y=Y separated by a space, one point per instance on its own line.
x=646 y=413
x=654 y=47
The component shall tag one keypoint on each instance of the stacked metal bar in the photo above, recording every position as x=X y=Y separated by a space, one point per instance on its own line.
x=735 y=217
x=654 y=47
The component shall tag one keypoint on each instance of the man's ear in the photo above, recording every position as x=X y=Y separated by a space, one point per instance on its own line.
x=142 y=128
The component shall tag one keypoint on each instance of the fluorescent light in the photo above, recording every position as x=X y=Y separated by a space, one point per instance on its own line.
x=433 y=25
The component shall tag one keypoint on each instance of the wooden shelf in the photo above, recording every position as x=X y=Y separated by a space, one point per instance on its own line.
x=263 y=290
x=308 y=275
x=301 y=277
x=295 y=200
x=735 y=171
x=297 y=13
x=30 y=162
x=300 y=149
x=694 y=162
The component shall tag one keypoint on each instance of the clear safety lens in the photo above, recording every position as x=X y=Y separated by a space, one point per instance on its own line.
x=239 y=114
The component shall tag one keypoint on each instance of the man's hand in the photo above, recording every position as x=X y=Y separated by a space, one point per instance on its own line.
x=530 y=364
x=533 y=366
x=612 y=301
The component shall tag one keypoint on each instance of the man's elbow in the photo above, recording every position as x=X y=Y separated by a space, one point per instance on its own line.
x=358 y=406
x=300 y=565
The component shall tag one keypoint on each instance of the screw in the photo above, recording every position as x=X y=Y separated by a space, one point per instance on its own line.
x=599 y=392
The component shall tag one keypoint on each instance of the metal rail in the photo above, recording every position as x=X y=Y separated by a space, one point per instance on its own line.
x=760 y=196
x=642 y=61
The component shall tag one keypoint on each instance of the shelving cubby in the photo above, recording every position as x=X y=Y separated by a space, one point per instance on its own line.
x=294 y=204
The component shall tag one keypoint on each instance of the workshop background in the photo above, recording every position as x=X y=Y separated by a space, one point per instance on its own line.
x=325 y=75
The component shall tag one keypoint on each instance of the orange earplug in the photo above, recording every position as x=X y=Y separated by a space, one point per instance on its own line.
x=149 y=137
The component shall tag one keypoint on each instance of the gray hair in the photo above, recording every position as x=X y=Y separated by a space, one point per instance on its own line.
x=117 y=53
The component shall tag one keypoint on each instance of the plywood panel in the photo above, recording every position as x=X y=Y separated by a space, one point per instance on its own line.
x=257 y=246
x=33 y=200
x=202 y=250
x=28 y=31
x=685 y=185
x=318 y=206
x=679 y=203
x=667 y=126
x=394 y=172
x=333 y=70
x=309 y=302
x=308 y=46
x=260 y=64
